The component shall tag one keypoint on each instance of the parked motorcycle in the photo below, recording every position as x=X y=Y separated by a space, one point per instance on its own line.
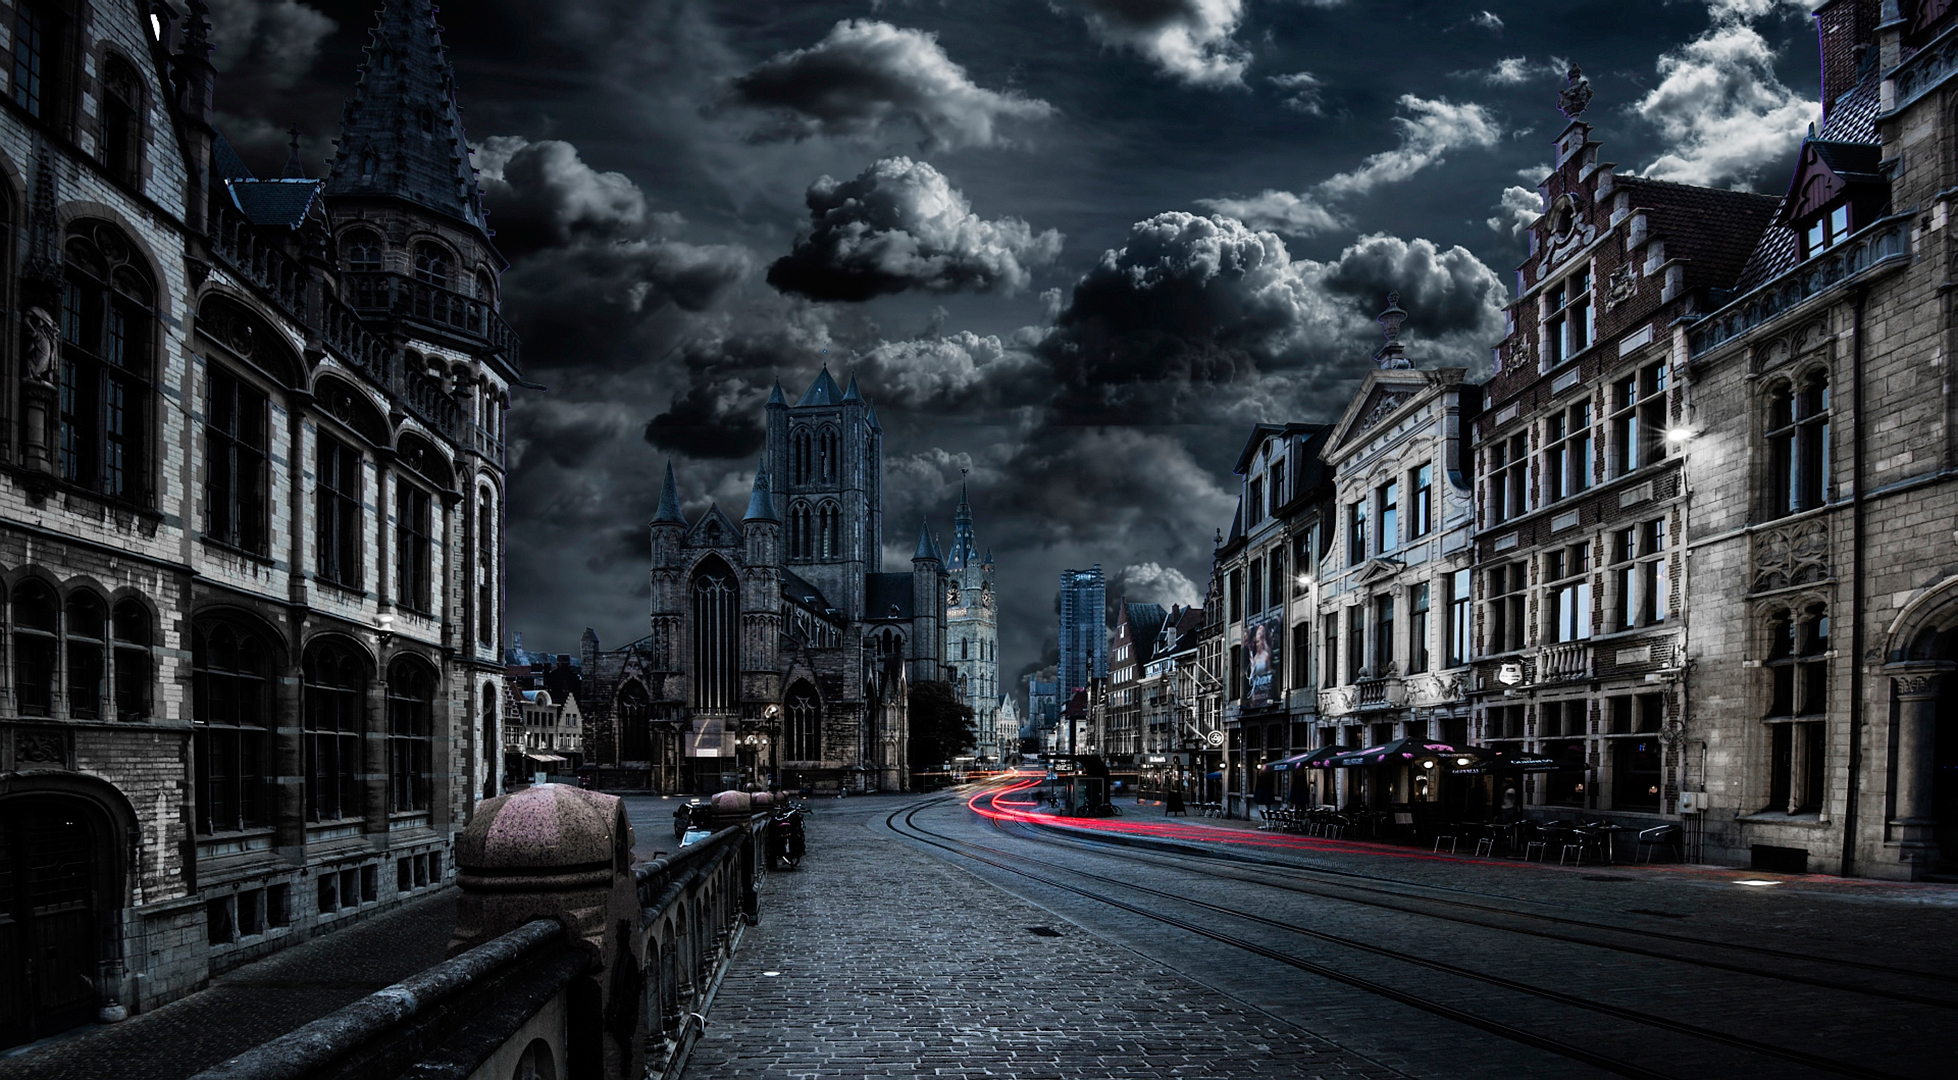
x=785 y=838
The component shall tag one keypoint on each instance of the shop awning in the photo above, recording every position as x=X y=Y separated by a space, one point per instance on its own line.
x=1304 y=761
x=538 y=755
x=1406 y=750
x=1505 y=762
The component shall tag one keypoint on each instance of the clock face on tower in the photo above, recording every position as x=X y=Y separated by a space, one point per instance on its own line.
x=952 y=596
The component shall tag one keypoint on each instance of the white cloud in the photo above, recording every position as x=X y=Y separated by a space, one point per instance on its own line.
x=1487 y=20
x=955 y=372
x=1521 y=207
x=1724 y=114
x=1188 y=40
x=865 y=75
x=1304 y=92
x=1153 y=583
x=1279 y=211
x=1514 y=70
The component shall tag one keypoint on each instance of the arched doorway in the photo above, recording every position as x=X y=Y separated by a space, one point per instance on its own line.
x=59 y=874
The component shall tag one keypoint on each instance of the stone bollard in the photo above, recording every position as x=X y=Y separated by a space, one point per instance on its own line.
x=563 y=853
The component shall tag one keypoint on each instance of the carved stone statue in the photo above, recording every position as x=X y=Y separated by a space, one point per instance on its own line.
x=41 y=345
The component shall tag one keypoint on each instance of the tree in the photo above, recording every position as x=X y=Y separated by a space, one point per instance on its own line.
x=941 y=726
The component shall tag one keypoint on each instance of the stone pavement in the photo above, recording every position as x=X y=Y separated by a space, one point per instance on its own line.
x=250 y=1004
x=876 y=960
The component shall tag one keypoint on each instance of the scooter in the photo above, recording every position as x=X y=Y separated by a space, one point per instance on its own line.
x=785 y=840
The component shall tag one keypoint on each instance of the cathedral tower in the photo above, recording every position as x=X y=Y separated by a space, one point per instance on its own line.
x=972 y=628
x=830 y=491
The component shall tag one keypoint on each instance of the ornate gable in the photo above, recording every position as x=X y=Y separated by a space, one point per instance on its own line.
x=714 y=530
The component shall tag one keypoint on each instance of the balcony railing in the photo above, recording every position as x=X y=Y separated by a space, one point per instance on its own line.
x=1571 y=660
x=236 y=240
x=1882 y=244
x=436 y=409
x=376 y=293
x=1377 y=693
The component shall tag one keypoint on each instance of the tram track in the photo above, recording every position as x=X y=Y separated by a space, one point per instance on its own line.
x=1004 y=861
x=1181 y=858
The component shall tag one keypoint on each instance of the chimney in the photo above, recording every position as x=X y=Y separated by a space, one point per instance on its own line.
x=1847 y=33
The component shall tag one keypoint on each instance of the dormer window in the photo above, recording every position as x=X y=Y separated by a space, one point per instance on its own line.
x=1568 y=317
x=1826 y=230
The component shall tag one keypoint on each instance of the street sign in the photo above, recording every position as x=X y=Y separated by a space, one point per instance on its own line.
x=1215 y=738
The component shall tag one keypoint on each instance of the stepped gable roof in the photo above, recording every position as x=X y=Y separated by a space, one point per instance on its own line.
x=761 y=507
x=401 y=132
x=1713 y=230
x=669 y=502
x=887 y=596
x=823 y=391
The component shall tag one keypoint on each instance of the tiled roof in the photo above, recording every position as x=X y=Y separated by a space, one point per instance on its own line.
x=803 y=594
x=1852 y=120
x=274 y=202
x=1713 y=230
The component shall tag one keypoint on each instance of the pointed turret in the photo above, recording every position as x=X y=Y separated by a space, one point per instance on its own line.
x=927 y=547
x=775 y=396
x=401 y=133
x=870 y=416
x=853 y=394
x=760 y=506
x=823 y=391
x=964 y=544
x=669 y=502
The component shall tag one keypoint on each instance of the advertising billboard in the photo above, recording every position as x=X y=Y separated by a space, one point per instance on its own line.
x=1262 y=636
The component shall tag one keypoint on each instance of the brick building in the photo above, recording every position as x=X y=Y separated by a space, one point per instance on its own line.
x=250 y=521
x=780 y=648
x=1131 y=647
x=1580 y=621
x=1822 y=725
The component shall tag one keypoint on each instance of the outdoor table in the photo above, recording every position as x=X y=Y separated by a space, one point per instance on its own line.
x=1609 y=831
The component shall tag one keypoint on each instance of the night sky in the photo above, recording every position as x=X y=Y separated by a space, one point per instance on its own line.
x=1074 y=246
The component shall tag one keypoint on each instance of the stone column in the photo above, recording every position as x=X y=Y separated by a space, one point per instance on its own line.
x=1917 y=684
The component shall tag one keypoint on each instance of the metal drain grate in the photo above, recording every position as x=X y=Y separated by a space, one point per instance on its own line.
x=1043 y=931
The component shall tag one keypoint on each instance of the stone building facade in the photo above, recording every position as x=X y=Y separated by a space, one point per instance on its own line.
x=1131 y=646
x=1393 y=578
x=1822 y=726
x=781 y=651
x=250 y=515
x=1580 y=623
x=972 y=634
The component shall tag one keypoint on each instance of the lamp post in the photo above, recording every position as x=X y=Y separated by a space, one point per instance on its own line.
x=756 y=744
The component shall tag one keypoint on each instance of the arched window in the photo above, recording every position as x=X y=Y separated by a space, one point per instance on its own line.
x=803 y=727
x=411 y=699
x=106 y=319
x=336 y=689
x=800 y=531
x=131 y=631
x=35 y=627
x=121 y=116
x=799 y=456
x=716 y=617
x=826 y=465
x=362 y=250
x=485 y=287
x=486 y=571
x=1798 y=446
x=635 y=723
x=492 y=743
x=432 y=264
x=231 y=712
x=87 y=635
x=829 y=532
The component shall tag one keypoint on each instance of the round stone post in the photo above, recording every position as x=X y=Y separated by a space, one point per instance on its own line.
x=1917 y=684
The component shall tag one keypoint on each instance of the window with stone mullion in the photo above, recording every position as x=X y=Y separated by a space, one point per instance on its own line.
x=235 y=474
x=230 y=715
x=414 y=547
x=334 y=708
x=409 y=700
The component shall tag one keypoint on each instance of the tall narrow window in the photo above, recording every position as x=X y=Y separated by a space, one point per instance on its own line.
x=1356 y=636
x=1277 y=496
x=1383 y=635
x=1356 y=533
x=86 y=642
x=1567 y=453
x=121 y=102
x=826 y=455
x=1276 y=579
x=1458 y=618
x=1567 y=572
x=1798 y=666
x=1568 y=317
x=829 y=536
x=1330 y=649
x=1254 y=591
x=1254 y=501
x=1638 y=419
x=1390 y=515
x=799 y=456
x=131 y=667
x=1301 y=658
x=1509 y=478
x=1420 y=501
x=334 y=704
x=235 y=475
x=231 y=718
x=1236 y=590
x=31 y=55
x=715 y=613
x=414 y=549
x=1798 y=444
x=486 y=571
x=1655 y=583
x=411 y=698
x=35 y=626
x=106 y=318
x=1417 y=629
x=336 y=511
x=432 y=265
x=801 y=741
x=1507 y=620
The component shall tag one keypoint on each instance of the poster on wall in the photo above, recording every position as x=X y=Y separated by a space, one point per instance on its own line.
x=1261 y=642
x=708 y=737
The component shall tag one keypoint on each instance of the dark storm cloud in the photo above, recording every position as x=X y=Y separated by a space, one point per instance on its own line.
x=564 y=433
x=597 y=304
x=544 y=195
x=705 y=424
x=865 y=76
x=957 y=372
x=1445 y=292
x=899 y=225
x=277 y=40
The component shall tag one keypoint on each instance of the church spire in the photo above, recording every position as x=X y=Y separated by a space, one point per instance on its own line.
x=760 y=506
x=669 y=502
x=401 y=132
x=965 y=548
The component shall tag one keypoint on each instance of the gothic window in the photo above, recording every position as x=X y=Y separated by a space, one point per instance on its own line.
x=85 y=641
x=336 y=511
x=121 y=116
x=414 y=547
x=716 y=617
x=130 y=674
x=635 y=723
x=411 y=698
x=362 y=250
x=801 y=532
x=432 y=264
x=231 y=715
x=335 y=702
x=1798 y=446
x=1798 y=667
x=826 y=461
x=801 y=737
x=35 y=627
x=485 y=287
x=235 y=475
x=486 y=570
x=106 y=317
x=799 y=456
x=829 y=532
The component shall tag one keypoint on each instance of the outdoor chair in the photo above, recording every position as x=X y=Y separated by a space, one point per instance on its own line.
x=1662 y=836
x=1580 y=841
x=1440 y=839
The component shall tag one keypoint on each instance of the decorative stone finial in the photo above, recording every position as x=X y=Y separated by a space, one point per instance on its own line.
x=1393 y=355
x=1576 y=95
